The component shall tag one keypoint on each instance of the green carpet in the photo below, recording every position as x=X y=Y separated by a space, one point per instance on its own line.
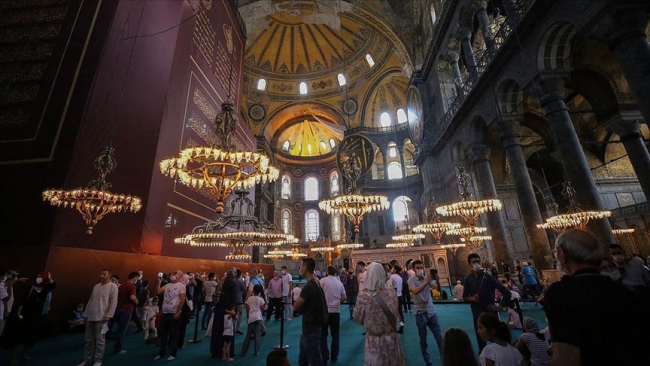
x=67 y=349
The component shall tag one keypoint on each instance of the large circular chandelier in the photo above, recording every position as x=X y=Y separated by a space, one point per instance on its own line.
x=453 y=246
x=408 y=238
x=238 y=231
x=399 y=246
x=276 y=253
x=220 y=168
x=468 y=208
x=95 y=201
x=321 y=246
x=354 y=205
x=575 y=215
x=349 y=246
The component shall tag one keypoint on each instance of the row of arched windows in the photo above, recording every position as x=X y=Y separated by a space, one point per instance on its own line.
x=402 y=208
x=311 y=187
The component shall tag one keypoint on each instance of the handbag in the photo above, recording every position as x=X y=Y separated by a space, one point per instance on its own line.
x=384 y=307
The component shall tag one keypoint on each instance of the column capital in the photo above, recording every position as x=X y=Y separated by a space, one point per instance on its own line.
x=624 y=123
x=549 y=85
x=478 y=152
x=464 y=34
x=508 y=127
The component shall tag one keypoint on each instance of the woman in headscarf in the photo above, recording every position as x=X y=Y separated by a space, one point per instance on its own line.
x=533 y=344
x=223 y=299
x=382 y=346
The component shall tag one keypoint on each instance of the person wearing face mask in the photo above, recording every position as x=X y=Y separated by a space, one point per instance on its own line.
x=591 y=317
x=478 y=290
x=173 y=301
x=636 y=273
x=287 y=286
x=610 y=269
x=425 y=313
x=30 y=312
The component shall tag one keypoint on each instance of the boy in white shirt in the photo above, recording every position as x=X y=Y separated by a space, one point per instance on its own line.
x=255 y=304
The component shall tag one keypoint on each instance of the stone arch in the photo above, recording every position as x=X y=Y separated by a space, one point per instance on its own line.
x=509 y=97
x=598 y=89
x=554 y=51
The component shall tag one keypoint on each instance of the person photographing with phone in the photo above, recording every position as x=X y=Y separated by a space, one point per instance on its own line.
x=425 y=314
x=478 y=290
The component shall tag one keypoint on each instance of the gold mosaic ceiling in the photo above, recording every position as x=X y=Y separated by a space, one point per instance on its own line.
x=313 y=41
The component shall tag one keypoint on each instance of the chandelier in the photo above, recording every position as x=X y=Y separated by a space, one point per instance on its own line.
x=453 y=247
x=622 y=231
x=239 y=230
x=477 y=240
x=468 y=208
x=349 y=246
x=295 y=253
x=408 y=238
x=321 y=246
x=354 y=205
x=221 y=168
x=436 y=227
x=95 y=201
x=575 y=215
x=276 y=253
x=399 y=246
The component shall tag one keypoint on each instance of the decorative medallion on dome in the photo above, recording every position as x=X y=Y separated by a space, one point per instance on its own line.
x=350 y=106
x=256 y=112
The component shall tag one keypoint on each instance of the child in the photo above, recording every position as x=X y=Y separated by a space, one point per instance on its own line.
x=149 y=320
x=499 y=352
x=254 y=305
x=228 y=331
x=457 y=349
x=76 y=321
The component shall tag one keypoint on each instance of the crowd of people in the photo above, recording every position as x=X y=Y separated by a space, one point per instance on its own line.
x=590 y=312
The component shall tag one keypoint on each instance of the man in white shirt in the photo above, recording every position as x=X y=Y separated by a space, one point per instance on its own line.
x=397 y=285
x=208 y=286
x=362 y=276
x=458 y=290
x=287 y=286
x=173 y=301
x=334 y=294
x=99 y=310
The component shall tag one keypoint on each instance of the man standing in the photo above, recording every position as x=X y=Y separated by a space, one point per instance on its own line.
x=287 y=286
x=240 y=292
x=351 y=290
x=590 y=316
x=208 y=287
x=334 y=294
x=362 y=276
x=126 y=301
x=425 y=313
x=636 y=273
x=311 y=303
x=173 y=301
x=397 y=285
x=530 y=280
x=99 y=310
x=458 y=290
x=275 y=297
x=506 y=269
x=478 y=289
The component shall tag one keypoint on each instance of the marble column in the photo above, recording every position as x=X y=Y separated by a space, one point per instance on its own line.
x=626 y=126
x=401 y=160
x=465 y=36
x=385 y=160
x=484 y=22
x=453 y=57
x=481 y=159
x=508 y=129
x=629 y=44
x=574 y=163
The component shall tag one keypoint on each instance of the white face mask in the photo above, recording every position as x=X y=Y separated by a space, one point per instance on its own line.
x=614 y=275
x=420 y=273
x=172 y=278
x=618 y=258
x=39 y=280
x=476 y=267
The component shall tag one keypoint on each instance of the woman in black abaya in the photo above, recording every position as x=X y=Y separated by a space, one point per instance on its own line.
x=223 y=300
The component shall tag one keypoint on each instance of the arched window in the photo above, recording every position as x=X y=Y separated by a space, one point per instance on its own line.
x=401 y=116
x=395 y=170
x=311 y=225
x=401 y=212
x=341 y=79
x=311 y=189
x=370 y=60
x=286 y=187
x=433 y=15
x=385 y=119
x=286 y=221
x=334 y=184
x=392 y=150
x=303 y=88
x=336 y=227
x=286 y=145
x=261 y=84
x=332 y=143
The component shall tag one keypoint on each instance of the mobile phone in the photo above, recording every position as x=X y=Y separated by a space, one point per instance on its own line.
x=160 y=274
x=433 y=272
